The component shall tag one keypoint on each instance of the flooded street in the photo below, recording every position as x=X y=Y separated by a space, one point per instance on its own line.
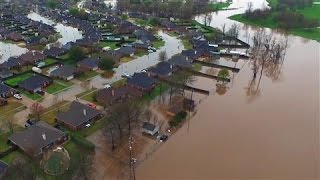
x=68 y=33
x=8 y=50
x=273 y=134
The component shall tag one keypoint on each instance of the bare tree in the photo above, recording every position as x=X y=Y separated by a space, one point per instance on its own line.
x=163 y=56
x=36 y=109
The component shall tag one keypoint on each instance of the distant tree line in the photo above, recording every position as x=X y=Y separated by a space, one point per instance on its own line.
x=183 y=9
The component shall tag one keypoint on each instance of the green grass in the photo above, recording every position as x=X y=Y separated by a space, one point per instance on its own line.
x=312 y=12
x=3 y=142
x=158 y=90
x=126 y=59
x=50 y=113
x=158 y=44
x=186 y=43
x=54 y=163
x=33 y=96
x=112 y=45
x=93 y=128
x=57 y=87
x=312 y=33
x=140 y=53
x=49 y=61
x=196 y=67
x=87 y=75
x=17 y=79
x=218 y=6
x=88 y=95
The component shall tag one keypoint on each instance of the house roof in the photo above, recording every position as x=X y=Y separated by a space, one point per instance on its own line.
x=142 y=80
x=127 y=50
x=148 y=126
x=109 y=95
x=78 y=114
x=3 y=168
x=12 y=62
x=37 y=136
x=32 y=56
x=89 y=62
x=5 y=72
x=64 y=72
x=163 y=69
x=54 y=51
x=34 y=82
x=180 y=60
x=4 y=88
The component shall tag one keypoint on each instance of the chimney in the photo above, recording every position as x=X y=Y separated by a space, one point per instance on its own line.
x=112 y=92
x=84 y=112
x=44 y=136
x=171 y=66
x=195 y=52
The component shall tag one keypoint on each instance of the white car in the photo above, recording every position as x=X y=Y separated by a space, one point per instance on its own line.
x=126 y=75
x=88 y=125
x=107 y=86
x=143 y=70
x=17 y=96
x=150 y=51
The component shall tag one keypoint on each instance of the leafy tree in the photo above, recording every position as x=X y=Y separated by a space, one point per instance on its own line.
x=223 y=74
x=106 y=64
x=163 y=56
x=76 y=54
x=53 y=4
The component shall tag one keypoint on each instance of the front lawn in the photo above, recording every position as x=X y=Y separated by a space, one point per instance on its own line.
x=126 y=59
x=49 y=61
x=87 y=75
x=33 y=96
x=158 y=90
x=50 y=113
x=14 y=81
x=112 y=45
x=57 y=87
x=186 y=43
x=218 y=6
x=158 y=44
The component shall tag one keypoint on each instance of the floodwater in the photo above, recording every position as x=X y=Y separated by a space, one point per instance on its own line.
x=271 y=134
x=8 y=50
x=68 y=33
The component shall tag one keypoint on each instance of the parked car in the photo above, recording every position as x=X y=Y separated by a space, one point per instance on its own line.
x=88 y=125
x=17 y=96
x=143 y=70
x=163 y=138
x=92 y=105
x=150 y=51
x=126 y=75
x=106 y=86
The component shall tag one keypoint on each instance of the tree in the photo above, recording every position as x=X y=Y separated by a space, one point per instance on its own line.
x=43 y=41
x=106 y=64
x=163 y=56
x=36 y=109
x=223 y=74
x=76 y=54
x=234 y=30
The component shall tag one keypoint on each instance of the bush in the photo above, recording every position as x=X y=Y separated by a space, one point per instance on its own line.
x=106 y=64
x=78 y=139
x=178 y=118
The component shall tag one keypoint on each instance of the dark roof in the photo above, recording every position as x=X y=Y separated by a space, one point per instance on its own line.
x=78 y=114
x=163 y=69
x=111 y=95
x=4 y=88
x=5 y=73
x=54 y=52
x=3 y=168
x=148 y=126
x=12 y=62
x=180 y=60
x=142 y=80
x=192 y=53
x=127 y=50
x=34 y=82
x=64 y=72
x=37 y=136
x=89 y=62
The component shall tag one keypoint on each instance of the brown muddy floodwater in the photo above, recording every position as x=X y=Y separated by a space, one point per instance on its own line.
x=271 y=135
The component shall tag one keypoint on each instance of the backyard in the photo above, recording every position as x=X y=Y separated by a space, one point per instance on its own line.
x=14 y=81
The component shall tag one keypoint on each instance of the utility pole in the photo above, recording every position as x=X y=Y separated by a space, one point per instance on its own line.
x=132 y=161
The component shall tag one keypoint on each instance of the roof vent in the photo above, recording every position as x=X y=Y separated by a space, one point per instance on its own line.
x=44 y=136
x=84 y=112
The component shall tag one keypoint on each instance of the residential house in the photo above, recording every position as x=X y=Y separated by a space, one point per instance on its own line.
x=89 y=64
x=78 y=116
x=109 y=96
x=3 y=169
x=12 y=63
x=6 y=91
x=65 y=72
x=141 y=45
x=180 y=61
x=150 y=128
x=54 y=52
x=14 y=36
x=5 y=73
x=32 y=57
x=142 y=82
x=127 y=51
x=37 y=138
x=35 y=83
x=162 y=70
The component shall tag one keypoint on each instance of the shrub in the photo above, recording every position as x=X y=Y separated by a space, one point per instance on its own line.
x=178 y=118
